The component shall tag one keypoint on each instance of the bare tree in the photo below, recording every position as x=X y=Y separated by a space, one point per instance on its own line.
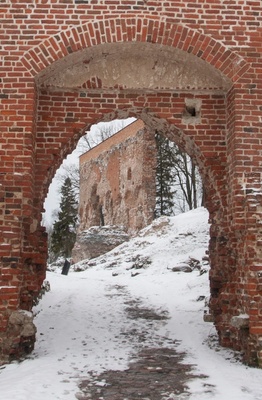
x=71 y=171
x=102 y=132
x=188 y=183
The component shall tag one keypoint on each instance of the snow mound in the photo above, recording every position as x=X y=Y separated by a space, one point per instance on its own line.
x=181 y=238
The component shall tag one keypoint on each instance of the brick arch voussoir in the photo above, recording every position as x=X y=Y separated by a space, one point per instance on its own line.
x=151 y=29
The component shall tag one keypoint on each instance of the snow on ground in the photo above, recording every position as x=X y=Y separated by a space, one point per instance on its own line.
x=81 y=322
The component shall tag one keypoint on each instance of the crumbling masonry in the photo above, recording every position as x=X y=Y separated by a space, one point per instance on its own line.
x=117 y=180
x=117 y=190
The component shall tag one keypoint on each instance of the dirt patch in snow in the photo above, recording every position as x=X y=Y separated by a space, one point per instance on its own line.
x=154 y=373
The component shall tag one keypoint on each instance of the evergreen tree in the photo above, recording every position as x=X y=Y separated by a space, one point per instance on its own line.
x=64 y=229
x=166 y=157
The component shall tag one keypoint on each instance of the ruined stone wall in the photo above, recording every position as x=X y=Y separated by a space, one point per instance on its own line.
x=117 y=180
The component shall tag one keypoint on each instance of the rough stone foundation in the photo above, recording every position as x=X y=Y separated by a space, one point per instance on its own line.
x=96 y=241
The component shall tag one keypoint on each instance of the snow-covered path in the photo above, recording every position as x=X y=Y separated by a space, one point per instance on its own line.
x=82 y=323
x=75 y=333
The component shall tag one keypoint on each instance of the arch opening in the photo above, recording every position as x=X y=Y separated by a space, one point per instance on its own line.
x=172 y=134
x=170 y=90
x=175 y=135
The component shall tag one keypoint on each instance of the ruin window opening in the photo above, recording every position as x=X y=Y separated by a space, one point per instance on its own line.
x=102 y=218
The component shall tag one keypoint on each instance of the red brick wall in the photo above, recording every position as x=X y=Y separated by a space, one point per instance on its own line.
x=41 y=122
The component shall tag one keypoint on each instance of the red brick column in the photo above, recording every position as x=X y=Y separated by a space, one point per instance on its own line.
x=19 y=283
x=236 y=285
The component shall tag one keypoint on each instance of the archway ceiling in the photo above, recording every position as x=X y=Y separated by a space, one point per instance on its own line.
x=133 y=65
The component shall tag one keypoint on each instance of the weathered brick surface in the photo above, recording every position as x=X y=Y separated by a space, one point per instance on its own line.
x=117 y=181
x=66 y=65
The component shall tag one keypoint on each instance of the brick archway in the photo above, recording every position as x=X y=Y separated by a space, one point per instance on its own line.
x=44 y=118
x=151 y=29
